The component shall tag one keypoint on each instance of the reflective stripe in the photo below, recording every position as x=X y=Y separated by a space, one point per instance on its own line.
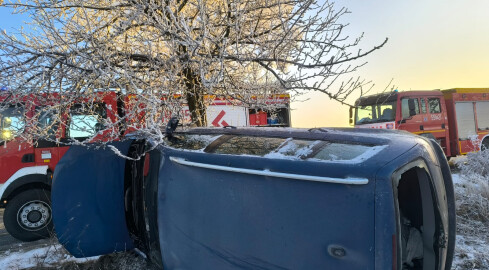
x=348 y=181
x=429 y=131
x=23 y=172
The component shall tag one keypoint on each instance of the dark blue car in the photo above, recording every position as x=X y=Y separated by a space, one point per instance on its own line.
x=261 y=199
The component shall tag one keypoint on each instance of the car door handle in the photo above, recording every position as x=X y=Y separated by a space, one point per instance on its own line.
x=347 y=181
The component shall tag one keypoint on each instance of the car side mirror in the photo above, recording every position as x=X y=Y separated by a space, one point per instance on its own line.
x=351 y=116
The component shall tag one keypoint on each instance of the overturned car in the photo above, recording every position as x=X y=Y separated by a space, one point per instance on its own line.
x=261 y=199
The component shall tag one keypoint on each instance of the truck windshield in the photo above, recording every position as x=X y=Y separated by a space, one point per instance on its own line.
x=375 y=113
x=12 y=122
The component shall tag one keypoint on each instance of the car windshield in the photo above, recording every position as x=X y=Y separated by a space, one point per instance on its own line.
x=375 y=113
x=12 y=122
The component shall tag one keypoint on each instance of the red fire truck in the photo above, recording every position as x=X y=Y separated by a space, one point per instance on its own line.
x=229 y=112
x=26 y=169
x=457 y=118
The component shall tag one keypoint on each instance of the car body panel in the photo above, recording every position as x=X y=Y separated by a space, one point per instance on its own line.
x=228 y=220
x=233 y=220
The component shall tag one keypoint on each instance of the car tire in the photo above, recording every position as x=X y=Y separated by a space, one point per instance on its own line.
x=28 y=216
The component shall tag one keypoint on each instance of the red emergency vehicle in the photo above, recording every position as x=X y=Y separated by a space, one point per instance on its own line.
x=231 y=112
x=26 y=169
x=457 y=118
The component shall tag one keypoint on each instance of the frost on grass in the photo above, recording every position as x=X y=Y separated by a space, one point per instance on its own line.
x=54 y=256
x=472 y=203
x=45 y=257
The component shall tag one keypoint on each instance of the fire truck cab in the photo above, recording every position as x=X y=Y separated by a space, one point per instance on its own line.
x=458 y=119
x=26 y=168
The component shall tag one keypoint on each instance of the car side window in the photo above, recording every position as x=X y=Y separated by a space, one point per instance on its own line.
x=295 y=148
x=434 y=105
x=341 y=151
x=405 y=107
x=190 y=141
x=318 y=150
x=249 y=145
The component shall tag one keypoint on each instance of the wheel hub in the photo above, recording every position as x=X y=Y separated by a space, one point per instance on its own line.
x=34 y=215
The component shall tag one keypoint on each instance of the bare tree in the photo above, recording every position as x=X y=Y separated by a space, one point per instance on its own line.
x=176 y=49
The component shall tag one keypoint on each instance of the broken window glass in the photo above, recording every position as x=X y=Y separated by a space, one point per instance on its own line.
x=341 y=151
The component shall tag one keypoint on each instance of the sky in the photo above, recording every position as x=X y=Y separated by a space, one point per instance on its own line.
x=435 y=44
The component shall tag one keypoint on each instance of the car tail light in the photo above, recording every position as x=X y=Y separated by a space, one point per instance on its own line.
x=394 y=252
x=146 y=165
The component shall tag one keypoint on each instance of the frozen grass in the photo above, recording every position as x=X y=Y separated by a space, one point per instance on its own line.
x=50 y=255
x=54 y=256
x=472 y=202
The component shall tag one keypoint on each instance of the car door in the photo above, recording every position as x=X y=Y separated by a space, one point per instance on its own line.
x=434 y=119
x=15 y=151
x=412 y=120
x=266 y=203
x=87 y=198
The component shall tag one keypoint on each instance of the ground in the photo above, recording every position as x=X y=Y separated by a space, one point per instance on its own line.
x=472 y=247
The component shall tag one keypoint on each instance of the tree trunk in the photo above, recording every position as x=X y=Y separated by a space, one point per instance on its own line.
x=195 y=98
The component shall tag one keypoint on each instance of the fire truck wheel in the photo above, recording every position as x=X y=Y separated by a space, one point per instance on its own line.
x=27 y=216
x=485 y=144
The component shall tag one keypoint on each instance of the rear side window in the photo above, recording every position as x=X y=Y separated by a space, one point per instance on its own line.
x=434 y=105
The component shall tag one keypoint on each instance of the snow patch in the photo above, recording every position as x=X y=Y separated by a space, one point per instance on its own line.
x=45 y=256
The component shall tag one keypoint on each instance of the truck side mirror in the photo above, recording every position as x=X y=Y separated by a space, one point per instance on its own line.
x=351 y=116
x=171 y=126
x=412 y=107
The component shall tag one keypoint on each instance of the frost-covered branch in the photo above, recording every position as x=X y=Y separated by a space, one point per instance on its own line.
x=167 y=53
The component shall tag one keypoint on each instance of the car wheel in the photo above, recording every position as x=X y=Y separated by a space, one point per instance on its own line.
x=28 y=216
